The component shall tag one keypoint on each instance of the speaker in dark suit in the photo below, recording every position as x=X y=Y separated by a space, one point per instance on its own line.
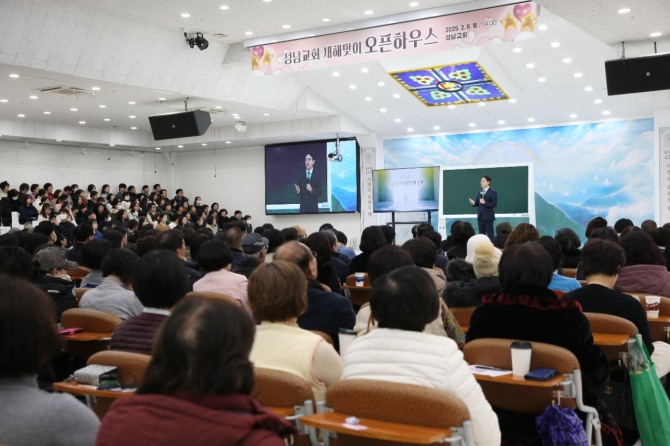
x=308 y=186
x=485 y=202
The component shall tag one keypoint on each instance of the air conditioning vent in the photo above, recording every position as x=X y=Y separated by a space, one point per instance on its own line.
x=67 y=91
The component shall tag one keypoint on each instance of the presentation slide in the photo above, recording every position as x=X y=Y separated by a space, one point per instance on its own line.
x=406 y=190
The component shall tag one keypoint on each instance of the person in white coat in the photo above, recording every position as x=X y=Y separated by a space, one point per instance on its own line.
x=402 y=302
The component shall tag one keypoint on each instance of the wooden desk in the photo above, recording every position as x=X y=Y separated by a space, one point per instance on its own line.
x=519 y=380
x=381 y=430
x=610 y=339
x=84 y=389
x=281 y=411
x=659 y=320
x=86 y=336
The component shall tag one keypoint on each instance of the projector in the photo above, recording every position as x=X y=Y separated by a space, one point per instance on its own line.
x=241 y=126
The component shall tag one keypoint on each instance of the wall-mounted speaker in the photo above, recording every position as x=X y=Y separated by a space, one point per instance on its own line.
x=180 y=125
x=638 y=74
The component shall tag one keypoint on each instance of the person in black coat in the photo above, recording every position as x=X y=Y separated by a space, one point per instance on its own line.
x=27 y=212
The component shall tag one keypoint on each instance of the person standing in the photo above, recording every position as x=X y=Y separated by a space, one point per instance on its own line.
x=487 y=200
x=309 y=186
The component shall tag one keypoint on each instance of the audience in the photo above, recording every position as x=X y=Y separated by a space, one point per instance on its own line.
x=461 y=231
x=255 y=249
x=277 y=295
x=523 y=232
x=197 y=387
x=403 y=301
x=569 y=242
x=558 y=282
x=173 y=240
x=645 y=270
x=28 y=341
x=92 y=255
x=215 y=259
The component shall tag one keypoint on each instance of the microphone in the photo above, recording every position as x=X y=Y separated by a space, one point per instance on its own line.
x=482 y=194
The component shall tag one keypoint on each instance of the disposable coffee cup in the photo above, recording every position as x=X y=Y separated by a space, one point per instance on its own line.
x=360 y=279
x=345 y=337
x=521 y=353
x=653 y=305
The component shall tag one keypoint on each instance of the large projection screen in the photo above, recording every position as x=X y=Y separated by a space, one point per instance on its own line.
x=513 y=183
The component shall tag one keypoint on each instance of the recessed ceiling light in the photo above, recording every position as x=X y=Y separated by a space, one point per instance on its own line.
x=451 y=107
x=543 y=27
x=132 y=116
x=267 y=1
x=102 y=106
x=73 y=109
x=4 y=101
x=364 y=70
x=133 y=128
x=218 y=107
x=542 y=79
x=530 y=65
x=624 y=11
x=228 y=142
x=287 y=26
x=472 y=125
x=573 y=115
x=203 y=144
x=106 y=119
x=162 y=99
x=224 y=7
x=352 y=86
x=606 y=112
x=397 y=120
x=567 y=60
x=336 y=74
x=368 y=98
x=598 y=101
x=396 y=96
x=512 y=101
x=82 y=122
x=531 y=119
x=381 y=83
x=112 y=145
x=414 y=4
x=517 y=49
x=14 y=76
x=180 y=146
x=482 y=104
x=655 y=34
x=382 y=110
x=588 y=88
x=248 y=33
x=185 y=15
x=33 y=97
x=410 y=129
x=368 y=12
x=132 y=102
x=578 y=75
x=501 y=122
x=266 y=114
x=436 y=127
x=47 y=112
x=158 y=148
x=21 y=115
x=325 y=19
x=95 y=88
x=555 y=44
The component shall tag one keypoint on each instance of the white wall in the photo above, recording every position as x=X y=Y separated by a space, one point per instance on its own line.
x=62 y=165
x=240 y=184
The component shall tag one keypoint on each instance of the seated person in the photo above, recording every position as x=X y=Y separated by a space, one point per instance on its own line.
x=602 y=261
x=403 y=301
x=216 y=259
x=558 y=282
x=50 y=274
x=326 y=311
x=278 y=295
x=372 y=238
x=197 y=386
x=569 y=242
x=159 y=281
x=92 y=255
x=645 y=270
x=113 y=294
x=28 y=415
x=526 y=309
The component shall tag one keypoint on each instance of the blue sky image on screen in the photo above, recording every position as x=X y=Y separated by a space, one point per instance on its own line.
x=343 y=179
x=581 y=171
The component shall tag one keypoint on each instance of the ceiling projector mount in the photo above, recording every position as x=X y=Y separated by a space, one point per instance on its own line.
x=336 y=156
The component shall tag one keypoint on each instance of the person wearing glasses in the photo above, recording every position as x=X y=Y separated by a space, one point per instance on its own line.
x=308 y=186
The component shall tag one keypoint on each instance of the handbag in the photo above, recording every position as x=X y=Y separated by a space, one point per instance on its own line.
x=617 y=395
x=652 y=408
x=93 y=374
x=560 y=426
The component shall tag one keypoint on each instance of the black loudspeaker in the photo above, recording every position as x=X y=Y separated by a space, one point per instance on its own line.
x=638 y=74
x=180 y=125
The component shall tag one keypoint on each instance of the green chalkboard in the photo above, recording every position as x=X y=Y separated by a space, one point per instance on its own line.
x=512 y=184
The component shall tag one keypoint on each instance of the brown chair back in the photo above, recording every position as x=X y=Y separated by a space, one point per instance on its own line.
x=275 y=388
x=210 y=295
x=92 y=321
x=463 y=315
x=79 y=292
x=569 y=272
x=607 y=323
x=496 y=352
x=657 y=330
x=396 y=403
x=78 y=274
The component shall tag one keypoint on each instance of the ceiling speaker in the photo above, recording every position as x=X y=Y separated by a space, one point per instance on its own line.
x=180 y=125
x=638 y=74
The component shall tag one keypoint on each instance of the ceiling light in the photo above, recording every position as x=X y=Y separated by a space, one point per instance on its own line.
x=267 y=1
x=451 y=107
x=21 y=115
x=224 y=7
x=472 y=125
x=578 y=75
x=655 y=34
x=606 y=112
x=542 y=79
x=82 y=122
x=397 y=120
x=228 y=142
x=573 y=115
x=158 y=148
x=266 y=114
x=530 y=65
x=589 y=88
x=410 y=129
x=180 y=146
x=624 y=11
x=199 y=41
x=336 y=74
x=381 y=83
x=555 y=44
x=4 y=101
x=14 y=76
x=368 y=12
x=286 y=26
x=482 y=104
x=543 y=27
x=106 y=119
x=598 y=101
x=47 y=112
x=325 y=19
x=248 y=33
x=133 y=128
x=132 y=102
x=95 y=88
x=33 y=97
x=102 y=106
x=501 y=122
x=185 y=15
x=112 y=145
x=396 y=96
x=517 y=49
x=382 y=110
x=352 y=86
x=368 y=98
x=512 y=101
x=414 y=4
x=132 y=116
x=218 y=107
x=531 y=119
x=567 y=60
x=364 y=70
x=204 y=144
x=436 y=127
x=73 y=109
x=164 y=99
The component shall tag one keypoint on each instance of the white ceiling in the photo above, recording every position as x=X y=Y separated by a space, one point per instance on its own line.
x=589 y=32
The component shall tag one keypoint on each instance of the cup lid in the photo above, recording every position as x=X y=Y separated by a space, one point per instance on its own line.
x=521 y=345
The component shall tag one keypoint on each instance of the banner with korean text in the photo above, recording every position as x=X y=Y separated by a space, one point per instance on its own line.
x=475 y=28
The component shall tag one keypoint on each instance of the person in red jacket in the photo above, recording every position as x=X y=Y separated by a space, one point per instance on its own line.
x=197 y=386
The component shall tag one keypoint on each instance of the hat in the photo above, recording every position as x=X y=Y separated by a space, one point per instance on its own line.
x=53 y=257
x=486 y=259
x=253 y=243
x=472 y=244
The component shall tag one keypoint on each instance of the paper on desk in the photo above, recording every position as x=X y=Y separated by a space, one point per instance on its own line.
x=493 y=373
x=354 y=427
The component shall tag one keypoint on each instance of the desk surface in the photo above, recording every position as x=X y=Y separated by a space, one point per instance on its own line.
x=519 y=380
x=610 y=339
x=84 y=389
x=382 y=430
x=85 y=336
x=362 y=288
x=659 y=320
